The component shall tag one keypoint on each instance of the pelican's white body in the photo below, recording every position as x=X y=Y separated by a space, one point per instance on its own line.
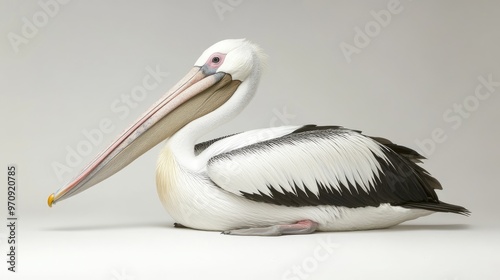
x=192 y=199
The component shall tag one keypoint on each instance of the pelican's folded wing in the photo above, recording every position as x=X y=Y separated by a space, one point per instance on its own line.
x=324 y=166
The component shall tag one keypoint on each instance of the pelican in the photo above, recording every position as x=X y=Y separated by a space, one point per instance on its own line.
x=272 y=181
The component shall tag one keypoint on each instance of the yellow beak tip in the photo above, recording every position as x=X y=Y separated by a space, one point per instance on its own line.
x=50 y=200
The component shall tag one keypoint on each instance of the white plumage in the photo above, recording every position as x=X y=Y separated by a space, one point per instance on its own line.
x=348 y=158
x=194 y=201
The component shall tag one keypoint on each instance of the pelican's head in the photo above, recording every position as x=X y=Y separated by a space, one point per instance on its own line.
x=236 y=57
x=217 y=75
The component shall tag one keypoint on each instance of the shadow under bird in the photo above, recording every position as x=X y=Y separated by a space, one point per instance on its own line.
x=272 y=181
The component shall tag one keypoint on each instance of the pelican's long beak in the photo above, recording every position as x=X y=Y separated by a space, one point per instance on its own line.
x=196 y=95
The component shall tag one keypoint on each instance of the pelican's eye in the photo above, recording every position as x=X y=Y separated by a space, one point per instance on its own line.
x=213 y=63
x=216 y=60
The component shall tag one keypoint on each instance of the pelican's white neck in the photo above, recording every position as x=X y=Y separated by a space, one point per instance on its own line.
x=182 y=143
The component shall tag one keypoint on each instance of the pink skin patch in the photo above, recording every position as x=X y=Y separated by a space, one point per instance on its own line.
x=304 y=224
x=215 y=60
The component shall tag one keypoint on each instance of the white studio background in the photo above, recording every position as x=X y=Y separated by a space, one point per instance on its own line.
x=424 y=74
